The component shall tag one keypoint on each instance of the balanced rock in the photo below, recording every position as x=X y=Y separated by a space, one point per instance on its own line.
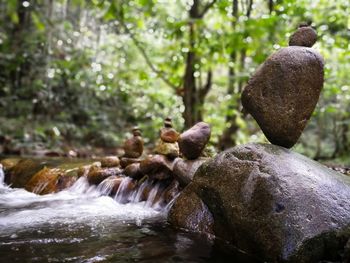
x=283 y=93
x=193 y=141
x=305 y=36
x=270 y=202
x=168 y=133
x=133 y=147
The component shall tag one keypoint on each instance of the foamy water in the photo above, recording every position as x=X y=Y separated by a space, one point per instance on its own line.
x=79 y=203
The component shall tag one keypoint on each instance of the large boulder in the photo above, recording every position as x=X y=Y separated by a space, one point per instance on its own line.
x=273 y=203
x=283 y=93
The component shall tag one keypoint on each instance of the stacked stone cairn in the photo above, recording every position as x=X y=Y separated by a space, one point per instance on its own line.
x=284 y=91
x=175 y=159
x=264 y=199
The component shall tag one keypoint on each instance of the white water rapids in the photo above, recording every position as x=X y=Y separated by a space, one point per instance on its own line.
x=79 y=203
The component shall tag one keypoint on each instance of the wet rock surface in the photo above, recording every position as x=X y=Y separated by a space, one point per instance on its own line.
x=97 y=174
x=193 y=141
x=272 y=203
x=283 y=93
x=189 y=212
x=44 y=181
x=110 y=161
x=23 y=171
x=133 y=170
x=184 y=170
x=155 y=164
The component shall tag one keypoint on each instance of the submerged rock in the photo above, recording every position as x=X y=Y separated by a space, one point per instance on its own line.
x=283 y=93
x=272 y=203
x=193 y=141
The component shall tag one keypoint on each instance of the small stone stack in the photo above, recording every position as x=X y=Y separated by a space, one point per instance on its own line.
x=167 y=144
x=133 y=148
x=284 y=91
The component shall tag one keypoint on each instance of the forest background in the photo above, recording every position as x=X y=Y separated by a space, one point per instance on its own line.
x=79 y=74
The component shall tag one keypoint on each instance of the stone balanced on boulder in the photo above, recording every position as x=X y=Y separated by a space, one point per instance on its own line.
x=167 y=144
x=192 y=142
x=283 y=92
x=133 y=148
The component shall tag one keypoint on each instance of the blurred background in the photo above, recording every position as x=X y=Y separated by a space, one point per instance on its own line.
x=76 y=75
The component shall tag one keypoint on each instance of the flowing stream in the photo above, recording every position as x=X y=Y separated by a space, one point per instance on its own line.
x=84 y=224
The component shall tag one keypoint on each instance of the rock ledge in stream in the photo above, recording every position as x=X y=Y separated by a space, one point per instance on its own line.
x=272 y=203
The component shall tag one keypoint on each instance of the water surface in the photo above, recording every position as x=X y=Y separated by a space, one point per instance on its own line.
x=81 y=224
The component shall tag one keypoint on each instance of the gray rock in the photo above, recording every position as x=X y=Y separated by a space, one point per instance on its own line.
x=193 y=141
x=273 y=203
x=305 y=36
x=189 y=212
x=283 y=93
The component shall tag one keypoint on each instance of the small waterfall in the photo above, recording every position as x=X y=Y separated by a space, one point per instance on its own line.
x=152 y=196
x=123 y=193
x=82 y=186
x=2 y=176
x=106 y=186
x=40 y=187
x=137 y=196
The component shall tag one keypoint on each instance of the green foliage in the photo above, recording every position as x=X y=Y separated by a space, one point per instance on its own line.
x=93 y=69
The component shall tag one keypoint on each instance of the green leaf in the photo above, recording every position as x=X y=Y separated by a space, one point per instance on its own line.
x=37 y=22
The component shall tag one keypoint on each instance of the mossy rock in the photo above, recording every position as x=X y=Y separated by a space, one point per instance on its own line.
x=23 y=171
x=44 y=181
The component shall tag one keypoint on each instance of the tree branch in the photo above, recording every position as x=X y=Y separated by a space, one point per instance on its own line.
x=204 y=90
x=249 y=8
x=148 y=61
x=206 y=8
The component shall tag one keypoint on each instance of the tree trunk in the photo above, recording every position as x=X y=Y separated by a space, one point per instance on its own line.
x=190 y=82
x=194 y=94
x=226 y=140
